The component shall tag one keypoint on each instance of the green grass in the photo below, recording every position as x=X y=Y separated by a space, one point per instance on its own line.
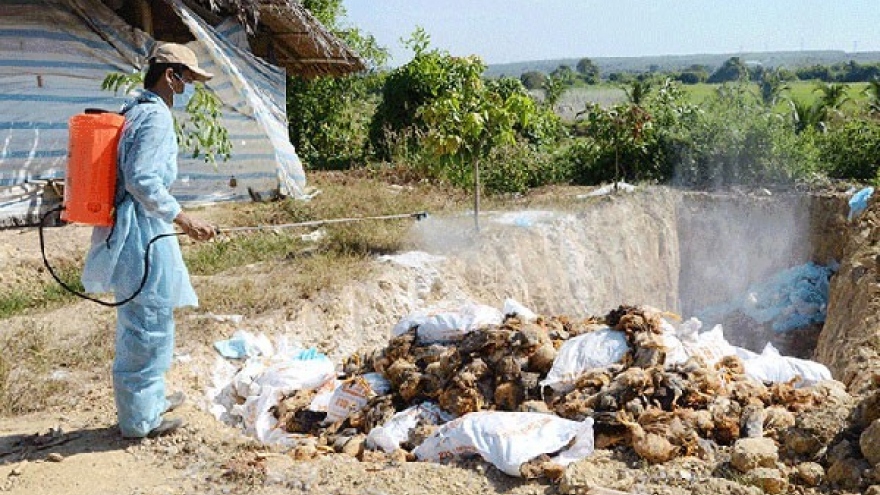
x=19 y=300
x=699 y=93
x=798 y=90
x=574 y=100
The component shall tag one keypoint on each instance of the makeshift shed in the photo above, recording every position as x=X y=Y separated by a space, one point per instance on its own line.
x=54 y=54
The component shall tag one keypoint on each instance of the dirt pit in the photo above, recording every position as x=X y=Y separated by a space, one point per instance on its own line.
x=659 y=248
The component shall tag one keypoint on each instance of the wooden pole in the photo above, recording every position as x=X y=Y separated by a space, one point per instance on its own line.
x=477 y=195
x=145 y=12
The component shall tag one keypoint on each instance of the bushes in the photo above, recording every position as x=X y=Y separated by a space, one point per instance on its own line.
x=441 y=117
x=852 y=151
x=730 y=139
x=329 y=118
x=438 y=117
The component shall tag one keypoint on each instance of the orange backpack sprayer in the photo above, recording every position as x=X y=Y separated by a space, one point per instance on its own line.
x=90 y=184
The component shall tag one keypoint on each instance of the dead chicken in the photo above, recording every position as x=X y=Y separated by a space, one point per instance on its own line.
x=776 y=420
x=726 y=420
x=400 y=347
x=652 y=447
x=541 y=360
x=399 y=372
x=508 y=395
x=460 y=401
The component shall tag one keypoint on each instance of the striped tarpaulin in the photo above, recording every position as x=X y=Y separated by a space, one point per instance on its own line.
x=54 y=54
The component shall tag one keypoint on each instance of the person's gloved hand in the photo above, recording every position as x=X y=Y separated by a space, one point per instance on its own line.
x=194 y=227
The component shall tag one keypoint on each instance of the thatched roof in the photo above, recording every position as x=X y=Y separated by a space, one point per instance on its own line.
x=282 y=32
x=294 y=39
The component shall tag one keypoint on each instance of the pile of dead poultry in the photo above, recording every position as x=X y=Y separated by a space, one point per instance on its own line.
x=660 y=411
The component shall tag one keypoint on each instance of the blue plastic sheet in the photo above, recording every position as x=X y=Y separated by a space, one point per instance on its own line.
x=233 y=348
x=859 y=202
x=791 y=299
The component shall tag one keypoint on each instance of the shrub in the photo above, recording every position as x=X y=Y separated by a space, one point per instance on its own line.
x=852 y=151
x=517 y=168
x=330 y=118
x=735 y=140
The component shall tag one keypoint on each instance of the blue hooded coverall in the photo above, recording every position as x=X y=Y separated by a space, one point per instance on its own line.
x=147 y=166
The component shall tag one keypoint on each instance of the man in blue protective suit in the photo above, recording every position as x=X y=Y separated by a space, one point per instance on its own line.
x=147 y=166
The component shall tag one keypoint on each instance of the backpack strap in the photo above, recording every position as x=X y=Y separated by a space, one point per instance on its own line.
x=137 y=102
x=116 y=204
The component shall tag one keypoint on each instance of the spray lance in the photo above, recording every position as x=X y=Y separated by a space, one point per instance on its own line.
x=218 y=230
x=90 y=189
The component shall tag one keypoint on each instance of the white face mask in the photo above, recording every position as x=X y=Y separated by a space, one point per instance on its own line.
x=181 y=100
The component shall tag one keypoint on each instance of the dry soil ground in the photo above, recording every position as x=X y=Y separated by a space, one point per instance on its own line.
x=71 y=446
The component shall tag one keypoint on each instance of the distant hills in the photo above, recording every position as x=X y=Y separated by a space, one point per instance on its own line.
x=670 y=63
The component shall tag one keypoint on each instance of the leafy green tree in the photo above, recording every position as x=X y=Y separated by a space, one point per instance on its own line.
x=553 y=89
x=637 y=91
x=533 y=79
x=772 y=88
x=832 y=95
x=331 y=14
x=814 y=72
x=757 y=72
x=199 y=130
x=872 y=91
x=328 y=12
x=733 y=69
x=407 y=89
x=735 y=140
x=565 y=75
x=441 y=105
x=692 y=77
x=620 y=137
x=851 y=150
x=329 y=116
x=806 y=116
x=588 y=71
x=621 y=77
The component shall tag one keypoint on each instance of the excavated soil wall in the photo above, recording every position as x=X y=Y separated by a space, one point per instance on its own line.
x=657 y=246
x=850 y=341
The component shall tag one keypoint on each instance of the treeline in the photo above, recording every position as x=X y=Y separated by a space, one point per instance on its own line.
x=586 y=72
x=437 y=118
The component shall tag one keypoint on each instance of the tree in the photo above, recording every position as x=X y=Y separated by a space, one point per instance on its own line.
x=819 y=72
x=553 y=90
x=833 y=95
x=637 y=91
x=328 y=12
x=533 y=79
x=831 y=100
x=872 y=91
x=565 y=75
x=330 y=115
x=772 y=87
x=805 y=116
x=693 y=76
x=588 y=71
x=733 y=69
x=620 y=77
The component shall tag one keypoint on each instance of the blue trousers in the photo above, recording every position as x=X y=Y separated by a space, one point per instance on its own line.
x=144 y=347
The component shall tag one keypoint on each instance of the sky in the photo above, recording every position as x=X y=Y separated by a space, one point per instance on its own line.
x=502 y=31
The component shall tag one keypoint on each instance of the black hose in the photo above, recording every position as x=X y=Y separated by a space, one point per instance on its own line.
x=85 y=296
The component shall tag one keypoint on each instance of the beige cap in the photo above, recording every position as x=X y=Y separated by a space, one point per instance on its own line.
x=173 y=53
